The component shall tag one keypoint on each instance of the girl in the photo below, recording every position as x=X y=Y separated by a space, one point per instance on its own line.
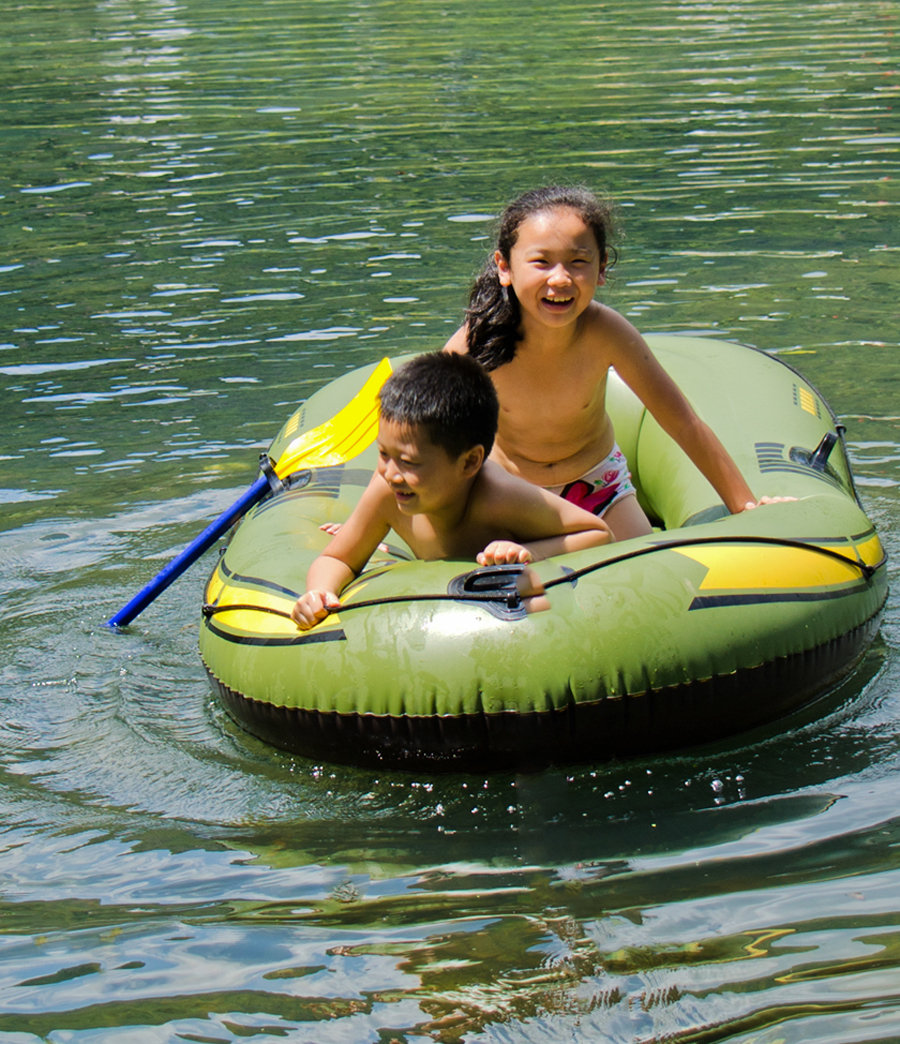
x=532 y=321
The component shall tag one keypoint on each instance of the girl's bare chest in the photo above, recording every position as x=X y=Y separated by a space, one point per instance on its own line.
x=569 y=393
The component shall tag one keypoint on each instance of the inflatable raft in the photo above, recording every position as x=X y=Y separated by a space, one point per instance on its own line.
x=710 y=626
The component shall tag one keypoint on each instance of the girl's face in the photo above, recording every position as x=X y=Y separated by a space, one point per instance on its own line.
x=554 y=266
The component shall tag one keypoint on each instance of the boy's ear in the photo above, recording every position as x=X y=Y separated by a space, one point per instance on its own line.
x=601 y=277
x=472 y=459
x=502 y=269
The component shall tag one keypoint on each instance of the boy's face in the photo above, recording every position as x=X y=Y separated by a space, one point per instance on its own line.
x=423 y=477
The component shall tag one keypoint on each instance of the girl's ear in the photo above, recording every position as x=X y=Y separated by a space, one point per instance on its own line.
x=503 y=273
x=601 y=277
x=471 y=460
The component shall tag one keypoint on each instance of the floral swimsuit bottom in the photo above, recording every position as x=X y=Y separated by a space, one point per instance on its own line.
x=601 y=487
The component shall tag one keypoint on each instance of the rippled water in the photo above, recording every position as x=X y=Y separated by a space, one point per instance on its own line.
x=208 y=210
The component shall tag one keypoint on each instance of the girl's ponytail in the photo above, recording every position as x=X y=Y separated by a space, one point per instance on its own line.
x=492 y=319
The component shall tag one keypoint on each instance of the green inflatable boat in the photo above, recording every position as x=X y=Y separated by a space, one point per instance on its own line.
x=712 y=625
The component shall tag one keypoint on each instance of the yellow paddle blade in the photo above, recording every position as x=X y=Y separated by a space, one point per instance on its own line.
x=343 y=436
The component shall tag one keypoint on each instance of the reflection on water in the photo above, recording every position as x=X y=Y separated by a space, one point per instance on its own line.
x=211 y=209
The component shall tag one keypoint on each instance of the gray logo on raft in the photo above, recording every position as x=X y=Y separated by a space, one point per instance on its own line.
x=777 y=456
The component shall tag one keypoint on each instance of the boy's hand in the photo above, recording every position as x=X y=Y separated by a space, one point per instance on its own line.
x=504 y=552
x=312 y=607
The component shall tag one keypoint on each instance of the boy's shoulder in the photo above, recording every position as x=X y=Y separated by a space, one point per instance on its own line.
x=498 y=489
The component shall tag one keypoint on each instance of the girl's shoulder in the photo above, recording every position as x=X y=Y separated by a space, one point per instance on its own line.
x=601 y=319
x=608 y=332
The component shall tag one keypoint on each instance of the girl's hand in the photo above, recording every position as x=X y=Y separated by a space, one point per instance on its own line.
x=504 y=552
x=766 y=500
x=312 y=607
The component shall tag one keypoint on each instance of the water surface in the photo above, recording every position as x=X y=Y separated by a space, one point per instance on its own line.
x=209 y=209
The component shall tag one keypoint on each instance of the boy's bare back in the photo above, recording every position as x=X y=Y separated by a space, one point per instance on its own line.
x=496 y=506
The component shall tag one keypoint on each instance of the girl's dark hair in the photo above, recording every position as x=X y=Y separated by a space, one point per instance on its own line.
x=450 y=395
x=493 y=316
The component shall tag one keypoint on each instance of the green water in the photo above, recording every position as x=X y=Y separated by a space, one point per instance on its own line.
x=209 y=209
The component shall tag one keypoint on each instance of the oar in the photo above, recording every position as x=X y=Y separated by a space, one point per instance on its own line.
x=333 y=442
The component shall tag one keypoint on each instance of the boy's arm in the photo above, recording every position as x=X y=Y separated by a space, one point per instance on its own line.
x=543 y=524
x=572 y=528
x=565 y=542
x=642 y=372
x=326 y=578
x=344 y=557
x=510 y=552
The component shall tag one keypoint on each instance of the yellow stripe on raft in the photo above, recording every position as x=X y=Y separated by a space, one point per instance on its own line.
x=214 y=586
x=250 y=615
x=871 y=551
x=736 y=568
x=250 y=621
x=808 y=401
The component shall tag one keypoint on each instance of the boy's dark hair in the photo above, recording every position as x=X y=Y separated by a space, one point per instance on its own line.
x=450 y=395
x=494 y=315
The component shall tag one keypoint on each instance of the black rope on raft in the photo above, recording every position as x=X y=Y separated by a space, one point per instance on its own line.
x=512 y=599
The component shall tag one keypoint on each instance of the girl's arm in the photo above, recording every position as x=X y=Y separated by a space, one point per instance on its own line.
x=458 y=342
x=642 y=372
x=344 y=556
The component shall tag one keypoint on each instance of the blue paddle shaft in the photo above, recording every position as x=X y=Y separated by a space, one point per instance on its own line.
x=191 y=553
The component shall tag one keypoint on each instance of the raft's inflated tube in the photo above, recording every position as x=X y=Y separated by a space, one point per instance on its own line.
x=712 y=625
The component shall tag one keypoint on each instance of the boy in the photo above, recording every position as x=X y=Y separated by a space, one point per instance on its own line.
x=436 y=489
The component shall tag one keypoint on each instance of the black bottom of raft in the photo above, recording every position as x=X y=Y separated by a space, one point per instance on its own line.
x=678 y=717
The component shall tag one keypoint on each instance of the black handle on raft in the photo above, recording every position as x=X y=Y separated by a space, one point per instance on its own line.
x=495 y=588
x=816 y=459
